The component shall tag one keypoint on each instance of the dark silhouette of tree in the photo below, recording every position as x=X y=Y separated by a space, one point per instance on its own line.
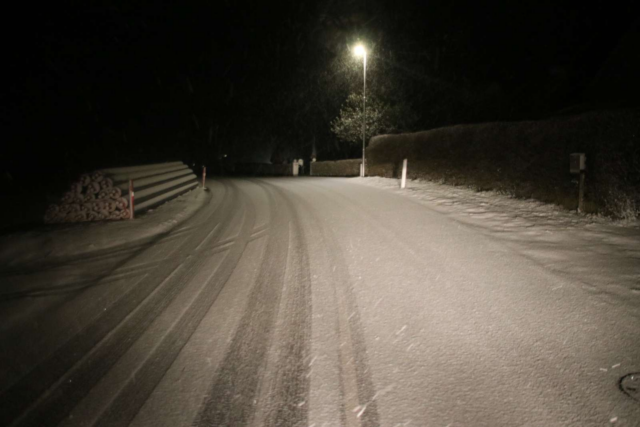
x=381 y=118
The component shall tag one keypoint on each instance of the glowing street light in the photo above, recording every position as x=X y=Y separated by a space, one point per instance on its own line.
x=360 y=51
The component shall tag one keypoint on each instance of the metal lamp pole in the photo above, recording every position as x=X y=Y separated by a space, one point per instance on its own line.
x=359 y=50
x=364 y=110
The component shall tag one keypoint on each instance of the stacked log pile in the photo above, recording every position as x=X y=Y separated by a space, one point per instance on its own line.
x=103 y=195
x=93 y=197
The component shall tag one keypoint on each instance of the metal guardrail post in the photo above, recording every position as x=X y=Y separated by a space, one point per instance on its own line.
x=131 y=199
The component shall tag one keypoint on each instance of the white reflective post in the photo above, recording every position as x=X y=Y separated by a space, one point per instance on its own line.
x=403 y=183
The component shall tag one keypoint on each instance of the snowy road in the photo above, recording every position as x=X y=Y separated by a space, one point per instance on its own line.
x=310 y=301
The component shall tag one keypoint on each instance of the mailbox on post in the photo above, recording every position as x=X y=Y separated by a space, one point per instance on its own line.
x=578 y=165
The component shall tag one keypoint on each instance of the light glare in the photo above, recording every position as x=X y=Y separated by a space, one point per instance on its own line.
x=359 y=50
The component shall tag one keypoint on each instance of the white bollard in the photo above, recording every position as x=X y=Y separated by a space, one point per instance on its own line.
x=204 y=175
x=403 y=183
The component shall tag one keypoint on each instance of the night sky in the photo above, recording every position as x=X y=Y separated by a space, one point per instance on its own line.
x=93 y=84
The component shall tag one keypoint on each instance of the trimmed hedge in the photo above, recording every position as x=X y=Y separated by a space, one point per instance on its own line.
x=349 y=167
x=385 y=170
x=527 y=159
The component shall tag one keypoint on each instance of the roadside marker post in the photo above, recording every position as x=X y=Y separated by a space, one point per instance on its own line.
x=131 y=199
x=204 y=175
x=403 y=183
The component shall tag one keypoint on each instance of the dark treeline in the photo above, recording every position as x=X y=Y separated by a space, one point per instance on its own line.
x=94 y=84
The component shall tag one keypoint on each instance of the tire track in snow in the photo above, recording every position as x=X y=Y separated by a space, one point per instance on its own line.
x=546 y=348
x=131 y=314
x=287 y=393
x=231 y=400
x=99 y=275
x=359 y=407
x=62 y=310
x=137 y=390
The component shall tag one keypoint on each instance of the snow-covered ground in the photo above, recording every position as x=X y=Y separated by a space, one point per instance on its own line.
x=328 y=299
x=602 y=253
x=67 y=240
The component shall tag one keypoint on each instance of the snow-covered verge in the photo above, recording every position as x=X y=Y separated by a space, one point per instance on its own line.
x=68 y=240
x=602 y=253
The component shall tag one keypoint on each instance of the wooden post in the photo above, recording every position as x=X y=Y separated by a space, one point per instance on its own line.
x=581 y=193
x=578 y=165
x=131 y=199
x=403 y=183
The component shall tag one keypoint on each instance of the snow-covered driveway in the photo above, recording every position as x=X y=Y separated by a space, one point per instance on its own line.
x=315 y=301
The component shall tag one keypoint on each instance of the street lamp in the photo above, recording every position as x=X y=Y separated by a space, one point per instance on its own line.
x=360 y=51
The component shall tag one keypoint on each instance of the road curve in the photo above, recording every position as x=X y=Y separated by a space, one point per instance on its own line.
x=312 y=301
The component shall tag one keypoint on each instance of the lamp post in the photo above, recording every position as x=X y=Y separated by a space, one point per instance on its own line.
x=359 y=50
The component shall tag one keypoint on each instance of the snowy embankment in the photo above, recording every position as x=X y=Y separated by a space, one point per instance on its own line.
x=66 y=241
x=602 y=253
